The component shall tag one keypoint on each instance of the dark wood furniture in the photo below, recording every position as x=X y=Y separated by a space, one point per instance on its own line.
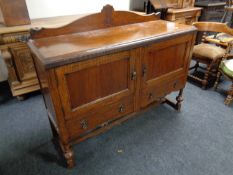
x=22 y=76
x=97 y=71
x=212 y=10
x=14 y=12
x=178 y=11
x=187 y=15
x=156 y=6
x=209 y=52
x=175 y=3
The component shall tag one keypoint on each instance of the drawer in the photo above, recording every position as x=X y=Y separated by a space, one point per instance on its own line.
x=186 y=14
x=157 y=92
x=92 y=120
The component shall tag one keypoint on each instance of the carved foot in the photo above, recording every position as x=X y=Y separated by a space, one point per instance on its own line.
x=68 y=155
x=21 y=97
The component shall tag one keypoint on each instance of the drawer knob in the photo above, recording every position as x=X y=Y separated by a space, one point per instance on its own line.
x=133 y=75
x=175 y=84
x=122 y=108
x=144 y=71
x=150 y=96
x=84 y=124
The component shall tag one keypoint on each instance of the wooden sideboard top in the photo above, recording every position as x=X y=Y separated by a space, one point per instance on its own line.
x=42 y=22
x=59 y=50
x=51 y=22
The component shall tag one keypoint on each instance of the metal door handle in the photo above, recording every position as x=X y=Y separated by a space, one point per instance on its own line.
x=134 y=75
x=84 y=124
x=122 y=108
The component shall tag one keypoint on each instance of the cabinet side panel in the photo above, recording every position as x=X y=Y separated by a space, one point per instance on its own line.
x=52 y=102
x=44 y=85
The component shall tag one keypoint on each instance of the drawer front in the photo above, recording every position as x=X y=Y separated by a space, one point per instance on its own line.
x=188 y=14
x=93 y=120
x=160 y=90
x=91 y=85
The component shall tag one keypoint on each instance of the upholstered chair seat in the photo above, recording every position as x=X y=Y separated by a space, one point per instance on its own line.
x=208 y=51
x=215 y=46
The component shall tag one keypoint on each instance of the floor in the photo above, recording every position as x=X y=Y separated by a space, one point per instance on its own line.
x=196 y=141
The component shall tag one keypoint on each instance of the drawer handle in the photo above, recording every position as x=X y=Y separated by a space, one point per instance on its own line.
x=175 y=84
x=134 y=75
x=150 y=96
x=122 y=108
x=144 y=71
x=84 y=124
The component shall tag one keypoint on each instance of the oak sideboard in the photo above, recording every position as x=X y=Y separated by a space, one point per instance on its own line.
x=99 y=70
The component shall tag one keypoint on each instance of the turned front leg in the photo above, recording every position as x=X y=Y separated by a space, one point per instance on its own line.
x=179 y=100
x=178 y=103
x=68 y=155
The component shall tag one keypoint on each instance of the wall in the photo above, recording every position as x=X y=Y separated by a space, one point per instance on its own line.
x=50 y=8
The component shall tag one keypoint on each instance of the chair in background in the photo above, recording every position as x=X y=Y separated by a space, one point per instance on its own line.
x=211 y=52
x=226 y=69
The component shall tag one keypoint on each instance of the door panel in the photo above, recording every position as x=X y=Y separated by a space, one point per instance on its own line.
x=89 y=85
x=97 y=82
x=162 y=63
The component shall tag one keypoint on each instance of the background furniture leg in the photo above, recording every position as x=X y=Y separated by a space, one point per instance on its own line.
x=230 y=96
x=217 y=80
x=205 y=81
x=196 y=66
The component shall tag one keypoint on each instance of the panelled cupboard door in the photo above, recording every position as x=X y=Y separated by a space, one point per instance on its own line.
x=89 y=86
x=164 y=68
